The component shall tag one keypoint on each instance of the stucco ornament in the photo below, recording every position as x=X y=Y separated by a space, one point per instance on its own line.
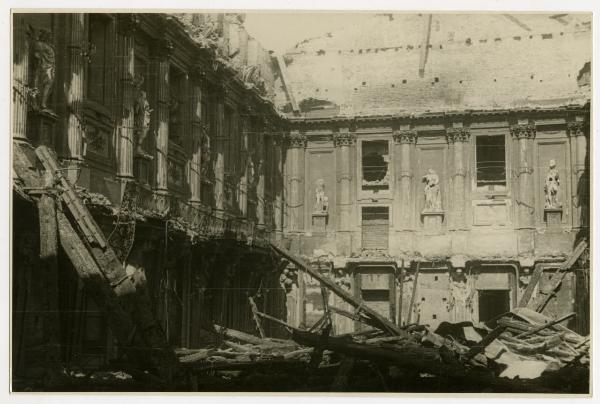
x=433 y=201
x=44 y=66
x=142 y=115
x=321 y=200
x=552 y=186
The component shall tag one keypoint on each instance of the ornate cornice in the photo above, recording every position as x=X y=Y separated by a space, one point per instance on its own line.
x=128 y=23
x=344 y=139
x=454 y=135
x=162 y=48
x=576 y=129
x=523 y=131
x=405 y=136
x=296 y=140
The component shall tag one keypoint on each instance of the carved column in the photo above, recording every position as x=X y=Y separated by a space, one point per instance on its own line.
x=20 y=78
x=458 y=137
x=260 y=185
x=197 y=133
x=344 y=142
x=404 y=146
x=126 y=48
x=160 y=65
x=295 y=160
x=75 y=92
x=525 y=201
x=219 y=163
x=243 y=188
x=278 y=184
x=578 y=132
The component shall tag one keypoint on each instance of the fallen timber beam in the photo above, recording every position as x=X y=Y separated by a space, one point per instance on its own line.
x=417 y=358
x=544 y=326
x=540 y=301
x=488 y=339
x=382 y=323
x=127 y=304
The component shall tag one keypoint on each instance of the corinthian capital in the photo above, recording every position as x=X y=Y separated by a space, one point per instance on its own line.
x=408 y=136
x=296 y=140
x=344 y=139
x=576 y=128
x=523 y=131
x=458 y=134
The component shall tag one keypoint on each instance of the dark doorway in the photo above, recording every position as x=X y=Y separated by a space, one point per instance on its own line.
x=493 y=303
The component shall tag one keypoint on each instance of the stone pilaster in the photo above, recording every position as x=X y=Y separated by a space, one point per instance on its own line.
x=458 y=137
x=578 y=132
x=195 y=168
x=404 y=148
x=345 y=143
x=525 y=201
x=295 y=160
x=20 y=77
x=260 y=172
x=243 y=187
x=219 y=163
x=160 y=64
x=127 y=24
x=75 y=127
x=278 y=183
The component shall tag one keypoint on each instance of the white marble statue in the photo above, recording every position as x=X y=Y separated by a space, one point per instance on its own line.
x=433 y=201
x=552 y=187
x=321 y=200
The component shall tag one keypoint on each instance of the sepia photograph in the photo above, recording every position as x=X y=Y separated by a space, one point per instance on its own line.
x=341 y=202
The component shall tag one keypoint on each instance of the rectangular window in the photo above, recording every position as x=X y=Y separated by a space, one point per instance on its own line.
x=375 y=165
x=493 y=303
x=491 y=162
x=375 y=228
x=177 y=103
x=98 y=54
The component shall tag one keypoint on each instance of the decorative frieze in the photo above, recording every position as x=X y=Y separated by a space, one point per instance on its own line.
x=523 y=131
x=344 y=139
x=576 y=129
x=456 y=135
x=405 y=136
x=296 y=140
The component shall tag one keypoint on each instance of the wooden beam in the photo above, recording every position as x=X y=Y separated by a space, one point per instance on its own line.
x=382 y=323
x=535 y=278
x=425 y=45
x=287 y=84
x=544 y=326
x=414 y=293
x=49 y=274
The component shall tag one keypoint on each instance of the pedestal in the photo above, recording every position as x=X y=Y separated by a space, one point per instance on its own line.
x=553 y=216
x=319 y=221
x=41 y=127
x=432 y=221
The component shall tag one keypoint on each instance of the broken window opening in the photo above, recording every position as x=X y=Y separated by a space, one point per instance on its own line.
x=491 y=163
x=493 y=303
x=375 y=165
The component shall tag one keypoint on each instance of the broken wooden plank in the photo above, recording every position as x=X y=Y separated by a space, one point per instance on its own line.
x=544 y=326
x=417 y=358
x=254 y=309
x=356 y=302
x=414 y=293
x=49 y=275
x=540 y=302
x=239 y=335
x=276 y=320
x=488 y=339
x=352 y=316
x=535 y=278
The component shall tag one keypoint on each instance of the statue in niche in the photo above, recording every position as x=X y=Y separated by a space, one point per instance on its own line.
x=174 y=121
x=433 y=201
x=552 y=186
x=142 y=115
x=206 y=158
x=321 y=200
x=44 y=67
